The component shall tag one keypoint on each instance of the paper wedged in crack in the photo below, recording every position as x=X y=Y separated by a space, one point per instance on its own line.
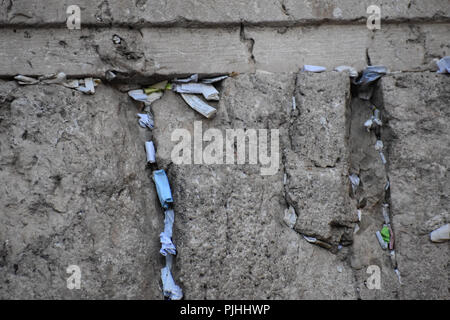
x=158 y=87
x=207 y=90
x=192 y=78
x=290 y=217
x=213 y=80
x=371 y=74
x=141 y=96
x=25 y=80
x=60 y=78
x=167 y=246
x=381 y=241
x=150 y=152
x=170 y=289
x=441 y=234
x=162 y=188
x=88 y=87
x=199 y=105
x=146 y=120
x=352 y=71
x=310 y=68
x=444 y=65
x=355 y=180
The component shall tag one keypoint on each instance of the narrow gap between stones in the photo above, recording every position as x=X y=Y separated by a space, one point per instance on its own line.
x=368 y=173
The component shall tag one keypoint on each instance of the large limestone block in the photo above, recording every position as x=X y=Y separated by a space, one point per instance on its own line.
x=418 y=115
x=317 y=164
x=149 y=52
x=232 y=241
x=221 y=12
x=75 y=191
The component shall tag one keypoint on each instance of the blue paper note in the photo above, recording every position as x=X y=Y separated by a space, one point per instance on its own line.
x=167 y=246
x=162 y=188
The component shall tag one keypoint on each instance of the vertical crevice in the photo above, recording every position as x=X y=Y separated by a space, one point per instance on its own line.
x=250 y=43
x=372 y=196
x=284 y=8
x=368 y=61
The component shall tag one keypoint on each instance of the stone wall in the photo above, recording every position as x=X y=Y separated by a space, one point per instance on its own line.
x=76 y=189
x=75 y=192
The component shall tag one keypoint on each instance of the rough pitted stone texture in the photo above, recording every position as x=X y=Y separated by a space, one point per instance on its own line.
x=232 y=241
x=406 y=47
x=84 y=52
x=144 y=53
x=75 y=191
x=418 y=115
x=365 y=160
x=142 y=12
x=317 y=164
x=196 y=50
x=357 y=10
x=221 y=12
x=319 y=131
x=399 y=47
x=170 y=52
x=370 y=194
x=288 y=49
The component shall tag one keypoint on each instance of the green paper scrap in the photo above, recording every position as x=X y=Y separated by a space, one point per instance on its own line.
x=160 y=86
x=385 y=234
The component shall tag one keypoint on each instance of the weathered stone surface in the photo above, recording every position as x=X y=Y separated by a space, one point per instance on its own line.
x=147 y=53
x=366 y=252
x=221 y=12
x=357 y=10
x=365 y=160
x=287 y=50
x=319 y=132
x=407 y=47
x=232 y=241
x=158 y=52
x=317 y=164
x=398 y=47
x=204 y=51
x=143 y=12
x=418 y=115
x=75 y=191
x=370 y=195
